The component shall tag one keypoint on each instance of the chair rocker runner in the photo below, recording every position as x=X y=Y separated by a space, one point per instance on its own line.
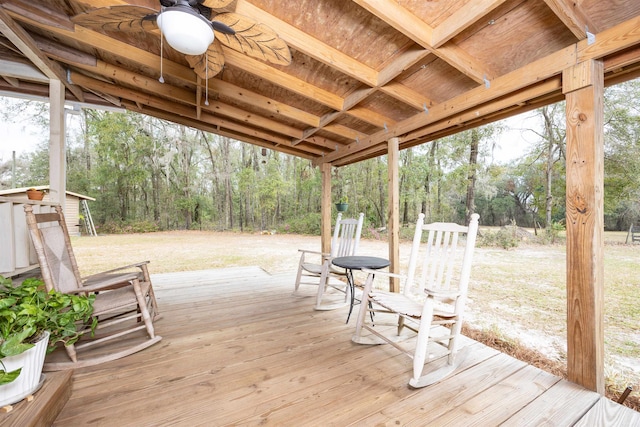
x=124 y=304
x=431 y=303
x=322 y=273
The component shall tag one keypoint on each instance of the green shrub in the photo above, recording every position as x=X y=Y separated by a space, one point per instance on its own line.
x=505 y=238
x=114 y=227
x=551 y=234
x=307 y=224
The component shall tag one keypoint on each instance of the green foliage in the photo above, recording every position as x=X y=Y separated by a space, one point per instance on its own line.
x=551 y=233
x=118 y=227
x=27 y=310
x=306 y=224
x=505 y=237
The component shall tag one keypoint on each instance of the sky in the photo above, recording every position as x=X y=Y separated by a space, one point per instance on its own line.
x=16 y=133
x=18 y=137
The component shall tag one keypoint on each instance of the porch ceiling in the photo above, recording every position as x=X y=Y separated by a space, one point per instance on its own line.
x=361 y=72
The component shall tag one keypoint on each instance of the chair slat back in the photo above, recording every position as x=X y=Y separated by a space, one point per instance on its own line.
x=51 y=241
x=436 y=262
x=346 y=236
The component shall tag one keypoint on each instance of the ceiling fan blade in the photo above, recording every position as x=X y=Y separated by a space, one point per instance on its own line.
x=220 y=5
x=223 y=28
x=254 y=39
x=208 y=64
x=118 y=18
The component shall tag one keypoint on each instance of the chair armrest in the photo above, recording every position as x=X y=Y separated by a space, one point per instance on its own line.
x=442 y=294
x=383 y=273
x=314 y=252
x=126 y=267
x=103 y=282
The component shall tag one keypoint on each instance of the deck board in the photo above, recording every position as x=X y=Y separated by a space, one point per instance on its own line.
x=239 y=349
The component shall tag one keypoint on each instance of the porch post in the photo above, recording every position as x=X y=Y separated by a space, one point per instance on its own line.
x=325 y=209
x=57 y=158
x=583 y=86
x=393 y=223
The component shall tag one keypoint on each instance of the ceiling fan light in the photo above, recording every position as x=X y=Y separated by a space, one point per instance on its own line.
x=185 y=32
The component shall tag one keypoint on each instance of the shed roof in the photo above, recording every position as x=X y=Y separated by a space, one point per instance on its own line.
x=362 y=71
x=12 y=191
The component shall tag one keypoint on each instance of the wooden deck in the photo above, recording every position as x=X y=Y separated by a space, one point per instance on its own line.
x=239 y=349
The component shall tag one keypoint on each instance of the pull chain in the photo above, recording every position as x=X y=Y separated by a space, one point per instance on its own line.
x=206 y=76
x=161 y=79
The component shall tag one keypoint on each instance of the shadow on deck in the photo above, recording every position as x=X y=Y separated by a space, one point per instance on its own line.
x=239 y=349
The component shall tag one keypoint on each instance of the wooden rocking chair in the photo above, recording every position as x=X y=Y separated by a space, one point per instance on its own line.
x=124 y=304
x=322 y=273
x=432 y=301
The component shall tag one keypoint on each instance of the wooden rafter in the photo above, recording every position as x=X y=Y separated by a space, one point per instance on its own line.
x=23 y=41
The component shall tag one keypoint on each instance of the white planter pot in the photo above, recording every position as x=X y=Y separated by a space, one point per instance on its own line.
x=29 y=380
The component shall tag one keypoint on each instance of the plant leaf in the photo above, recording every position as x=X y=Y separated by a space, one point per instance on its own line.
x=7 y=377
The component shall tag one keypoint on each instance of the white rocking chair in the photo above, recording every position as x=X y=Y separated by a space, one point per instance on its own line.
x=322 y=273
x=432 y=301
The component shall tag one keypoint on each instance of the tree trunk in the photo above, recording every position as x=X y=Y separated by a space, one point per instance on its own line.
x=548 y=132
x=382 y=191
x=471 y=176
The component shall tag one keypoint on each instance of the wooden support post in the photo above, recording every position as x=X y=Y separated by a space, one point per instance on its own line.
x=57 y=158
x=393 y=158
x=583 y=86
x=325 y=210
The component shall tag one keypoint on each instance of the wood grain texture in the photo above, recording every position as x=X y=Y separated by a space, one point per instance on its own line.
x=46 y=404
x=239 y=349
x=585 y=217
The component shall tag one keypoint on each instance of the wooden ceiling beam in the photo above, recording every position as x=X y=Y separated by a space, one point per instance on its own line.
x=408 y=96
x=20 y=70
x=520 y=98
x=39 y=13
x=334 y=58
x=228 y=132
x=12 y=81
x=401 y=19
x=61 y=53
x=372 y=117
x=344 y=131
x=182 y=115
x=571 y=14
x=268 y=104
x=282 y=79
x=420 y=32
x=215 y=85
x=298 y=86
x=397 y=90
x=462 y=19
x=23 y=41
x=214 y=107
x=311 y=46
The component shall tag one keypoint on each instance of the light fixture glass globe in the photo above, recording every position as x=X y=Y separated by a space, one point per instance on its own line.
x=185 y=32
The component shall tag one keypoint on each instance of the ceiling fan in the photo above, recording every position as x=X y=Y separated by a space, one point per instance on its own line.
x=197 y=28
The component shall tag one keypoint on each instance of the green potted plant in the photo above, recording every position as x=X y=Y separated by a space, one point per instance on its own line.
x=33 y=321
x=342 y=204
